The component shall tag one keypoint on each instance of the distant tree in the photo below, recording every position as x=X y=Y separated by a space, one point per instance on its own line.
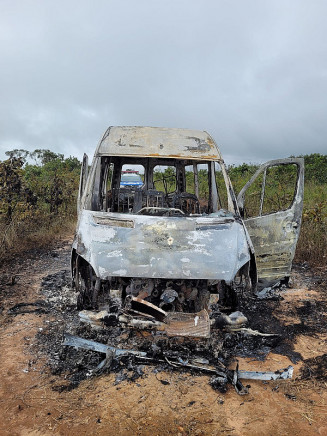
x=15 y=197
x=72 y=164
x=18 y=153
x=42 y=156
x=55 y=182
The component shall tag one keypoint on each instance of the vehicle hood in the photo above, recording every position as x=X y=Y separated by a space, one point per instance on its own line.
x=207 y=247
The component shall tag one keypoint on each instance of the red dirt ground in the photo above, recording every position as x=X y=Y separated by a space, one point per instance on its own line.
x=186 y=406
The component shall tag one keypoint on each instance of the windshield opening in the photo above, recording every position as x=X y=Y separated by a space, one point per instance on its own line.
x=163 y=187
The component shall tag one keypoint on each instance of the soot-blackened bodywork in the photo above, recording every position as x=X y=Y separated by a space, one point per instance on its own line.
x=183 y=238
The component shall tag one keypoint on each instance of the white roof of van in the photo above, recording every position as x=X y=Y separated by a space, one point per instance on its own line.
x=158 y=142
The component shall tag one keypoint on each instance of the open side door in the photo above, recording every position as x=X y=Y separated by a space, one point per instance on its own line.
x=82 y=181
x=271 y=205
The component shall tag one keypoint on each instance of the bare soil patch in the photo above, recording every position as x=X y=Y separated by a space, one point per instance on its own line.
x=47 y=389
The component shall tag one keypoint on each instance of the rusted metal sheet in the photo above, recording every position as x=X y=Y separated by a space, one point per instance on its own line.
x=195 y=325
x=158 y=247
x=158 y=142
x=144 y=307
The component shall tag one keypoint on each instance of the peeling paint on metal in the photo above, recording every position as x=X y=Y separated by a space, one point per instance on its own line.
x=274 y=236
x=163 y=247
x=159 y=142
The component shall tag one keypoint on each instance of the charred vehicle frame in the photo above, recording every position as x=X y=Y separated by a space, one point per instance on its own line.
x=171 y=248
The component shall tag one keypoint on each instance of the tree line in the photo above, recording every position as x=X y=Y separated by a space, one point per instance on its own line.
x=39 y=189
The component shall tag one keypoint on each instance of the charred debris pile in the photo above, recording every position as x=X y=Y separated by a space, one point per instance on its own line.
x=82 y=344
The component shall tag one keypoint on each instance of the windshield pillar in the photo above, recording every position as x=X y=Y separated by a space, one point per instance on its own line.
x=213 y=194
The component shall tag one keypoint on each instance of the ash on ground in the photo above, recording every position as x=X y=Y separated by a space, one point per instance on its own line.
x=220 y=350
x=316 y=368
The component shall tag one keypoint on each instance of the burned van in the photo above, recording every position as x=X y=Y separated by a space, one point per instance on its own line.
x=175 y=243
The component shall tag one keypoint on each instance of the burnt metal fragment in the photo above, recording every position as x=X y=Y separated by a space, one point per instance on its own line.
x=220 y=374
x=86 y=344
x=282 y=374
x=144 y=307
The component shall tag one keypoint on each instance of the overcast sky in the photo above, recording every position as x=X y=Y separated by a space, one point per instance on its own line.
x=253 y=73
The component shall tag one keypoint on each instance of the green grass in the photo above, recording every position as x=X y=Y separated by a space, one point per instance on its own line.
x=312 y=245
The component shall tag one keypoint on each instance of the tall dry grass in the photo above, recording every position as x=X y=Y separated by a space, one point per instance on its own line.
x=312 y=245
x=24 y=235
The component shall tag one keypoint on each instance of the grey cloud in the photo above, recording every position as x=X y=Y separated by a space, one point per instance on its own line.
x=253 y=74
